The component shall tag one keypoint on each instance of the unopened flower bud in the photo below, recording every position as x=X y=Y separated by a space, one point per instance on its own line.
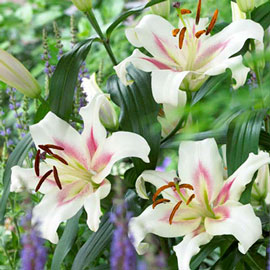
x=83 y=5
x=107 y=114
x=13 y=73
x=246 y=5
x=162 y=9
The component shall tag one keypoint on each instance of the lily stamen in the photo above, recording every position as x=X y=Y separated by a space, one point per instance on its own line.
x=198 y=14
x=37 y=160
x=212 y=23
x=190 y=199
x=181 y=37
x=188 y=186
x=60 y=159
x=174 y=211
x=43 y=178
x=56 y=177
x=45 y=149
x=185 y=11
x=200 y=33
x=170 y=184
x=52 y=146
x=159 y=202
x=175 y=32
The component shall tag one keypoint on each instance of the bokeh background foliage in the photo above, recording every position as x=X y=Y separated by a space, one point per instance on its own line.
x=235 y=118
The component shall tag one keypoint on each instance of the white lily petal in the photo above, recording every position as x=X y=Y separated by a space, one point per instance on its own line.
x=132 y=37
x=156 y=221
x=239 y=71
x=241 y=222
x=49 y=213
x=94 y=132
x=201 y=166
x=22 y=178
x=54 y=130
x=158 y=179
x=118 y=146
x=165 y=85
x=230 y=40
x=243 y=175
x=92 y=205
x=90 y=87
x=189 y=247
x=140 y=61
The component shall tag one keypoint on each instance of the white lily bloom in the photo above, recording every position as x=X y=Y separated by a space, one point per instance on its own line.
x=237 y=14
x=261 y=186
x=185 y=57
x=107 y=114
x=246 y=5
x=199 y=204
x=13 y=73
x=162 y=9
x=73 y=175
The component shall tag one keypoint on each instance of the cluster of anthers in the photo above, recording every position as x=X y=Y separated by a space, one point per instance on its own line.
x=47 y=150
x=176 y=188
x=198 y=34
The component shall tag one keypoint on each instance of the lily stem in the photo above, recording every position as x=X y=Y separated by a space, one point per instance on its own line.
x=92 y=19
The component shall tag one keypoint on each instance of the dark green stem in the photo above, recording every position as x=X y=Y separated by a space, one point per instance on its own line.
x=92 y=19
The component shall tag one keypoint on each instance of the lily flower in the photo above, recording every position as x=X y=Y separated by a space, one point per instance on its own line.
x=198 y=204
x=184 y=57
x=71 y=168
x=261 y=187
x=107 y=114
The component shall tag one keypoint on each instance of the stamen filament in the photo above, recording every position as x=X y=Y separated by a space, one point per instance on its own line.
x=175 y=32
x=60 y=158
x=56 y=177
x=212 y=23
x=170 y=184
x=37 y=160
x=200 y=33
x=54 y=147
x=174 y=211
x=198 y=14
x=159 y=202
x=181 y=37
x=45 y=149
x=43 y=178
x=190 y=199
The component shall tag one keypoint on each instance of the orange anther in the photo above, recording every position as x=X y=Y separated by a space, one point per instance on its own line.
x=170 y=184
x=185 y=11
x=188 y=186
x=199 y=33
x=174 y=211
x=212 y=23
x=37 y=160
x=198 y=15
x=45 y=149
x=181 y=37
x=43 y=178
x=190 y=199
x=175 y=32
x=56 y=177
x=159 y=202
x=54 y=147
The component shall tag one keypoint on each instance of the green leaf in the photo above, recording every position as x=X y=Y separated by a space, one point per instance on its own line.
x=261 y=15
x=64 y=79
x=95 y=245
x=65 y=244
x=128 y=13
x=265 y=140
x=138 y=112
x=16 y=158
x=243 y=137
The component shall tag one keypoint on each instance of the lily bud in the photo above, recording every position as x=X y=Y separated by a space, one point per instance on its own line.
x=162 y=9
x=13 y=73
x=107 y=113
x=246 y=5
x=83 y=5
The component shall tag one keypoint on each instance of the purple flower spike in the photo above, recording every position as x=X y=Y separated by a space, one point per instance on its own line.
x=33 y=254
x=166 y=162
